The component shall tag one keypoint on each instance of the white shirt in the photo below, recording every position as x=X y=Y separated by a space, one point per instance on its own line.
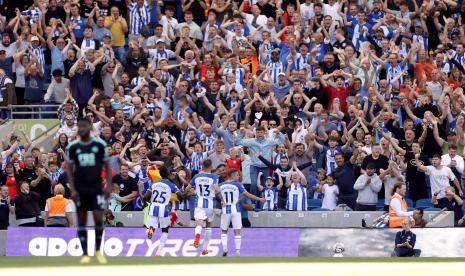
x=446 y=159
x=10 y=50
x=298 y=136
x=194 y=30
x=232 y=35
x=307 y=11
x=332 y=10
x=166 y=22
x=152 y=41
x=330 y=196
x=261 y=20
x=389 y=182
x=439 y=179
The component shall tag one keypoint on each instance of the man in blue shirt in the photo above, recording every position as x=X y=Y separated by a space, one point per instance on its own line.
x=405 y=242
x=81 y=81
x=262 y=145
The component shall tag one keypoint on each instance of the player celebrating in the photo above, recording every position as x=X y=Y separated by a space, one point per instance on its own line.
x=231 y=191
x=206 y=187
x=159 y=195
x=86 y=157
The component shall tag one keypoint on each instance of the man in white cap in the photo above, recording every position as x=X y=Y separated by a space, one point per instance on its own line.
x=282 y=87
x=37 y=49
x=160 y=51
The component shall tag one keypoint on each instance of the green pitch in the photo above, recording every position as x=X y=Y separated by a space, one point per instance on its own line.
x=12 y=262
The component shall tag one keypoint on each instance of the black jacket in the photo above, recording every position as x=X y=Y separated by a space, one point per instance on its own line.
x=27 y=205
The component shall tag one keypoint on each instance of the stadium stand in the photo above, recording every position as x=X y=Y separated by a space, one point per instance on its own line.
x=320 y=105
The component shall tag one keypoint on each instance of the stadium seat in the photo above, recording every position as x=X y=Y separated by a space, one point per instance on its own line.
x=379 y=208
x=431 y=209
x=380 y=203
x=410 y=209
x=313 y=203
x=423 y=203
x=409 y=202
x=320 y=209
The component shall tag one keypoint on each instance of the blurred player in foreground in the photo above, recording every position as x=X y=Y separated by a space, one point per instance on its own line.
x=231 y=191
x=159 y=195
x=86 y=157
x=206 y=187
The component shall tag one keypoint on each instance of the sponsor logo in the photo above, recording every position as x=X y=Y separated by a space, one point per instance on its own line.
x=113 y=247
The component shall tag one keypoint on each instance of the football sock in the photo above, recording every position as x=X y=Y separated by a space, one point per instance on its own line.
x=224 y=242
x=208 y=235
x=163 y=239
x=82 y=234
x=237 y=243
x=98 y=237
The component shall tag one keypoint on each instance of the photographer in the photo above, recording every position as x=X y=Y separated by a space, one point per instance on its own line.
x=452 y=202
x=5 y=208
x=405 y=242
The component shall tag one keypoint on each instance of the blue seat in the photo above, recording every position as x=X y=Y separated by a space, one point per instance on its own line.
x=380 y=203
x=432 y=209
x=423 y=203
x=314 y=202
x=410 y=209
x=379 y=208
x=409 y=202
x=320 y=209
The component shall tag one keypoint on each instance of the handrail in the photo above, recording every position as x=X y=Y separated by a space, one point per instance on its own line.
x=28 y=105
x=46 y=132
x=16 y=110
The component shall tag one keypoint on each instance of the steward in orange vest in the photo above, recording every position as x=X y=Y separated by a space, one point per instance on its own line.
x=58 y=209
x=398 y=209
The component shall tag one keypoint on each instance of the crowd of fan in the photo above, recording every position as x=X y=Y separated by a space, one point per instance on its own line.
x=329 y=100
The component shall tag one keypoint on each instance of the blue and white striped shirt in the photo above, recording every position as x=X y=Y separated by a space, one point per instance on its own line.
x=275 y=69
x=231 y=192
x=208 y=142
x=139 y=17
x=238 y=72
x=161 y=194
x=195 y=163
x=296 y=197
x=271 y=197
x=39 y=53
x=204 y=188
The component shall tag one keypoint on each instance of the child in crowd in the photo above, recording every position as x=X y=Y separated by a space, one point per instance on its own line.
x=115 y=199
x=269 y=192
x=317 y=183
x=330 y=192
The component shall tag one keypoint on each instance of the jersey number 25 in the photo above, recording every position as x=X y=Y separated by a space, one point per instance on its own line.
x=159 y=197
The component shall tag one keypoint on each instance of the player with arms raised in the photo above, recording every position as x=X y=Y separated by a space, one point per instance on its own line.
x=159 y=195
x=231 y=191
x=206 y=187
x=86 y=157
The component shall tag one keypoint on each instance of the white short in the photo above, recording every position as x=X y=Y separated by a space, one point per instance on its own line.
x=157 y=222
x=235 y=218
x=203 y=214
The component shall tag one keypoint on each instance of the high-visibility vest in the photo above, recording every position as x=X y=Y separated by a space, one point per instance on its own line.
x=57 y=206
x=394 y=220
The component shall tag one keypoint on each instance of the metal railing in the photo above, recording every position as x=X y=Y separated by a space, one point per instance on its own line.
x=43 y=111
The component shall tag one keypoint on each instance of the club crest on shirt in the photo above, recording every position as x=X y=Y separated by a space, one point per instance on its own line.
x=414 y=163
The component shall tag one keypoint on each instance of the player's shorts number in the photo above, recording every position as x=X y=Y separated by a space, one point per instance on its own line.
x=159 y=197
x=204 y=190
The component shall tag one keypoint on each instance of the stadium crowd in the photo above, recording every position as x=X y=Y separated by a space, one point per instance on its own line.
x=316 y=103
